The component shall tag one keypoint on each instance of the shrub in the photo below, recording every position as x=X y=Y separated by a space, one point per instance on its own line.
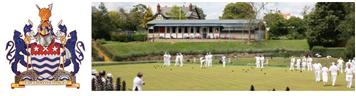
x=100 y=41
x=122 y=37
x=350 y=48
x=139 y=37
x=332 y=51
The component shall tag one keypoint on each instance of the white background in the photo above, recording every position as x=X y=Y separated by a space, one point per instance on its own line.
x=76 y=14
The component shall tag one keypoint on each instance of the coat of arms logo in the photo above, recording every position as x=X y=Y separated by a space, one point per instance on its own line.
x=46 y=54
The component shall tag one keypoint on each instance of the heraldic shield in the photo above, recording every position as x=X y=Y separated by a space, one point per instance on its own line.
x=45 y=54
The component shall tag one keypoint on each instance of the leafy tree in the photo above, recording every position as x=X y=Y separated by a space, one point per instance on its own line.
x=326 y=24
x=101 y=25
x=116 y=20
x=296 y=28
x=146 y=18
x=350 y=48
x=244 y=10
x=176 y=13
x=238 y=10
x=347 y=26
x=200 y=12
x=277 y=25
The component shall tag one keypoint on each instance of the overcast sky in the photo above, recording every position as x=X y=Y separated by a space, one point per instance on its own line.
x=215 y=9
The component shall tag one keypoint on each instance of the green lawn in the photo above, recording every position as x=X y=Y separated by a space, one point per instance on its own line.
x=154 y=48
x=192 y=77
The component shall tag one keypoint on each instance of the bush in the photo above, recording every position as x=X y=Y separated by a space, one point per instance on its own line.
x=120 y=37
x=100 y=41
x=139 y=37
x=332 y=51
x=124 y=37
x=119 y=51
x=350 y=48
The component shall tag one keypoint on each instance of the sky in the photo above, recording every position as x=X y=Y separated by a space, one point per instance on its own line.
x=214 y=10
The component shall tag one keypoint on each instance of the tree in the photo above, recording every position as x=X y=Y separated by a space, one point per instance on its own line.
x=238 y=10
x=347 y=26
x=116 y=20
x=200 y=12
x=277 y=25
x=350 y=48
x=296 y=28
x=243 y=10
x=135 y=16
x=325 y=24
x=101 y=23
x=146 y=18
x=176 y=13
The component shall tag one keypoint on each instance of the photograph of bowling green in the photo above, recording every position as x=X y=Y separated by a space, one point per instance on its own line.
x=223 y=46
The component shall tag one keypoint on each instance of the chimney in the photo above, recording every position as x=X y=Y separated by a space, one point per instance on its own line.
x=158 y=8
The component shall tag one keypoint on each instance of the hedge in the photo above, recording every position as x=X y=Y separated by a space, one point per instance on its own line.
x=330 y=51
x=124 y=37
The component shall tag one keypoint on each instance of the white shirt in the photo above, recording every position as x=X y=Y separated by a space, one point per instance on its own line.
x=324 y=70
x=349 y=71
x=257 y=59
x=298 y=61
x=340 y=61
x=223 y=59
x=317 y=67
x=165 y=57
x=292 y=60
x=333 y=69
x=169 y=57
x=304 y=60
x=310 y=60
x=137 y=83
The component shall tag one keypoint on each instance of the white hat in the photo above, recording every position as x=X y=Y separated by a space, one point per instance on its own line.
x=93 y=71
x=109 y=75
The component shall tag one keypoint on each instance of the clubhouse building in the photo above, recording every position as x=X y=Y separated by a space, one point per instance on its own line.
x=162 y=27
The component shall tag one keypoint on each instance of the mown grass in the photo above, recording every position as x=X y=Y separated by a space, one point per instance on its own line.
x=191 y=77
x=132 y=49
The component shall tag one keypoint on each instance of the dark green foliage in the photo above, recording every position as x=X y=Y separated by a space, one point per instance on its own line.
x=277 y=24
x=124 y=37
x=238 y=10
x=100 y=26
x=350 y=48
x=296 y=28
x=330 y=24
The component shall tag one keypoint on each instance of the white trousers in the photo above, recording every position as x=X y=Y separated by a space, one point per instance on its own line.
x=291 y=67
x=325 y=77
x=257 y=65
x=304 y=65
x=349 y=80
x=202 y=63
x=224 y=63
x=333 y=77
x=317 y=76
x=309 y=65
